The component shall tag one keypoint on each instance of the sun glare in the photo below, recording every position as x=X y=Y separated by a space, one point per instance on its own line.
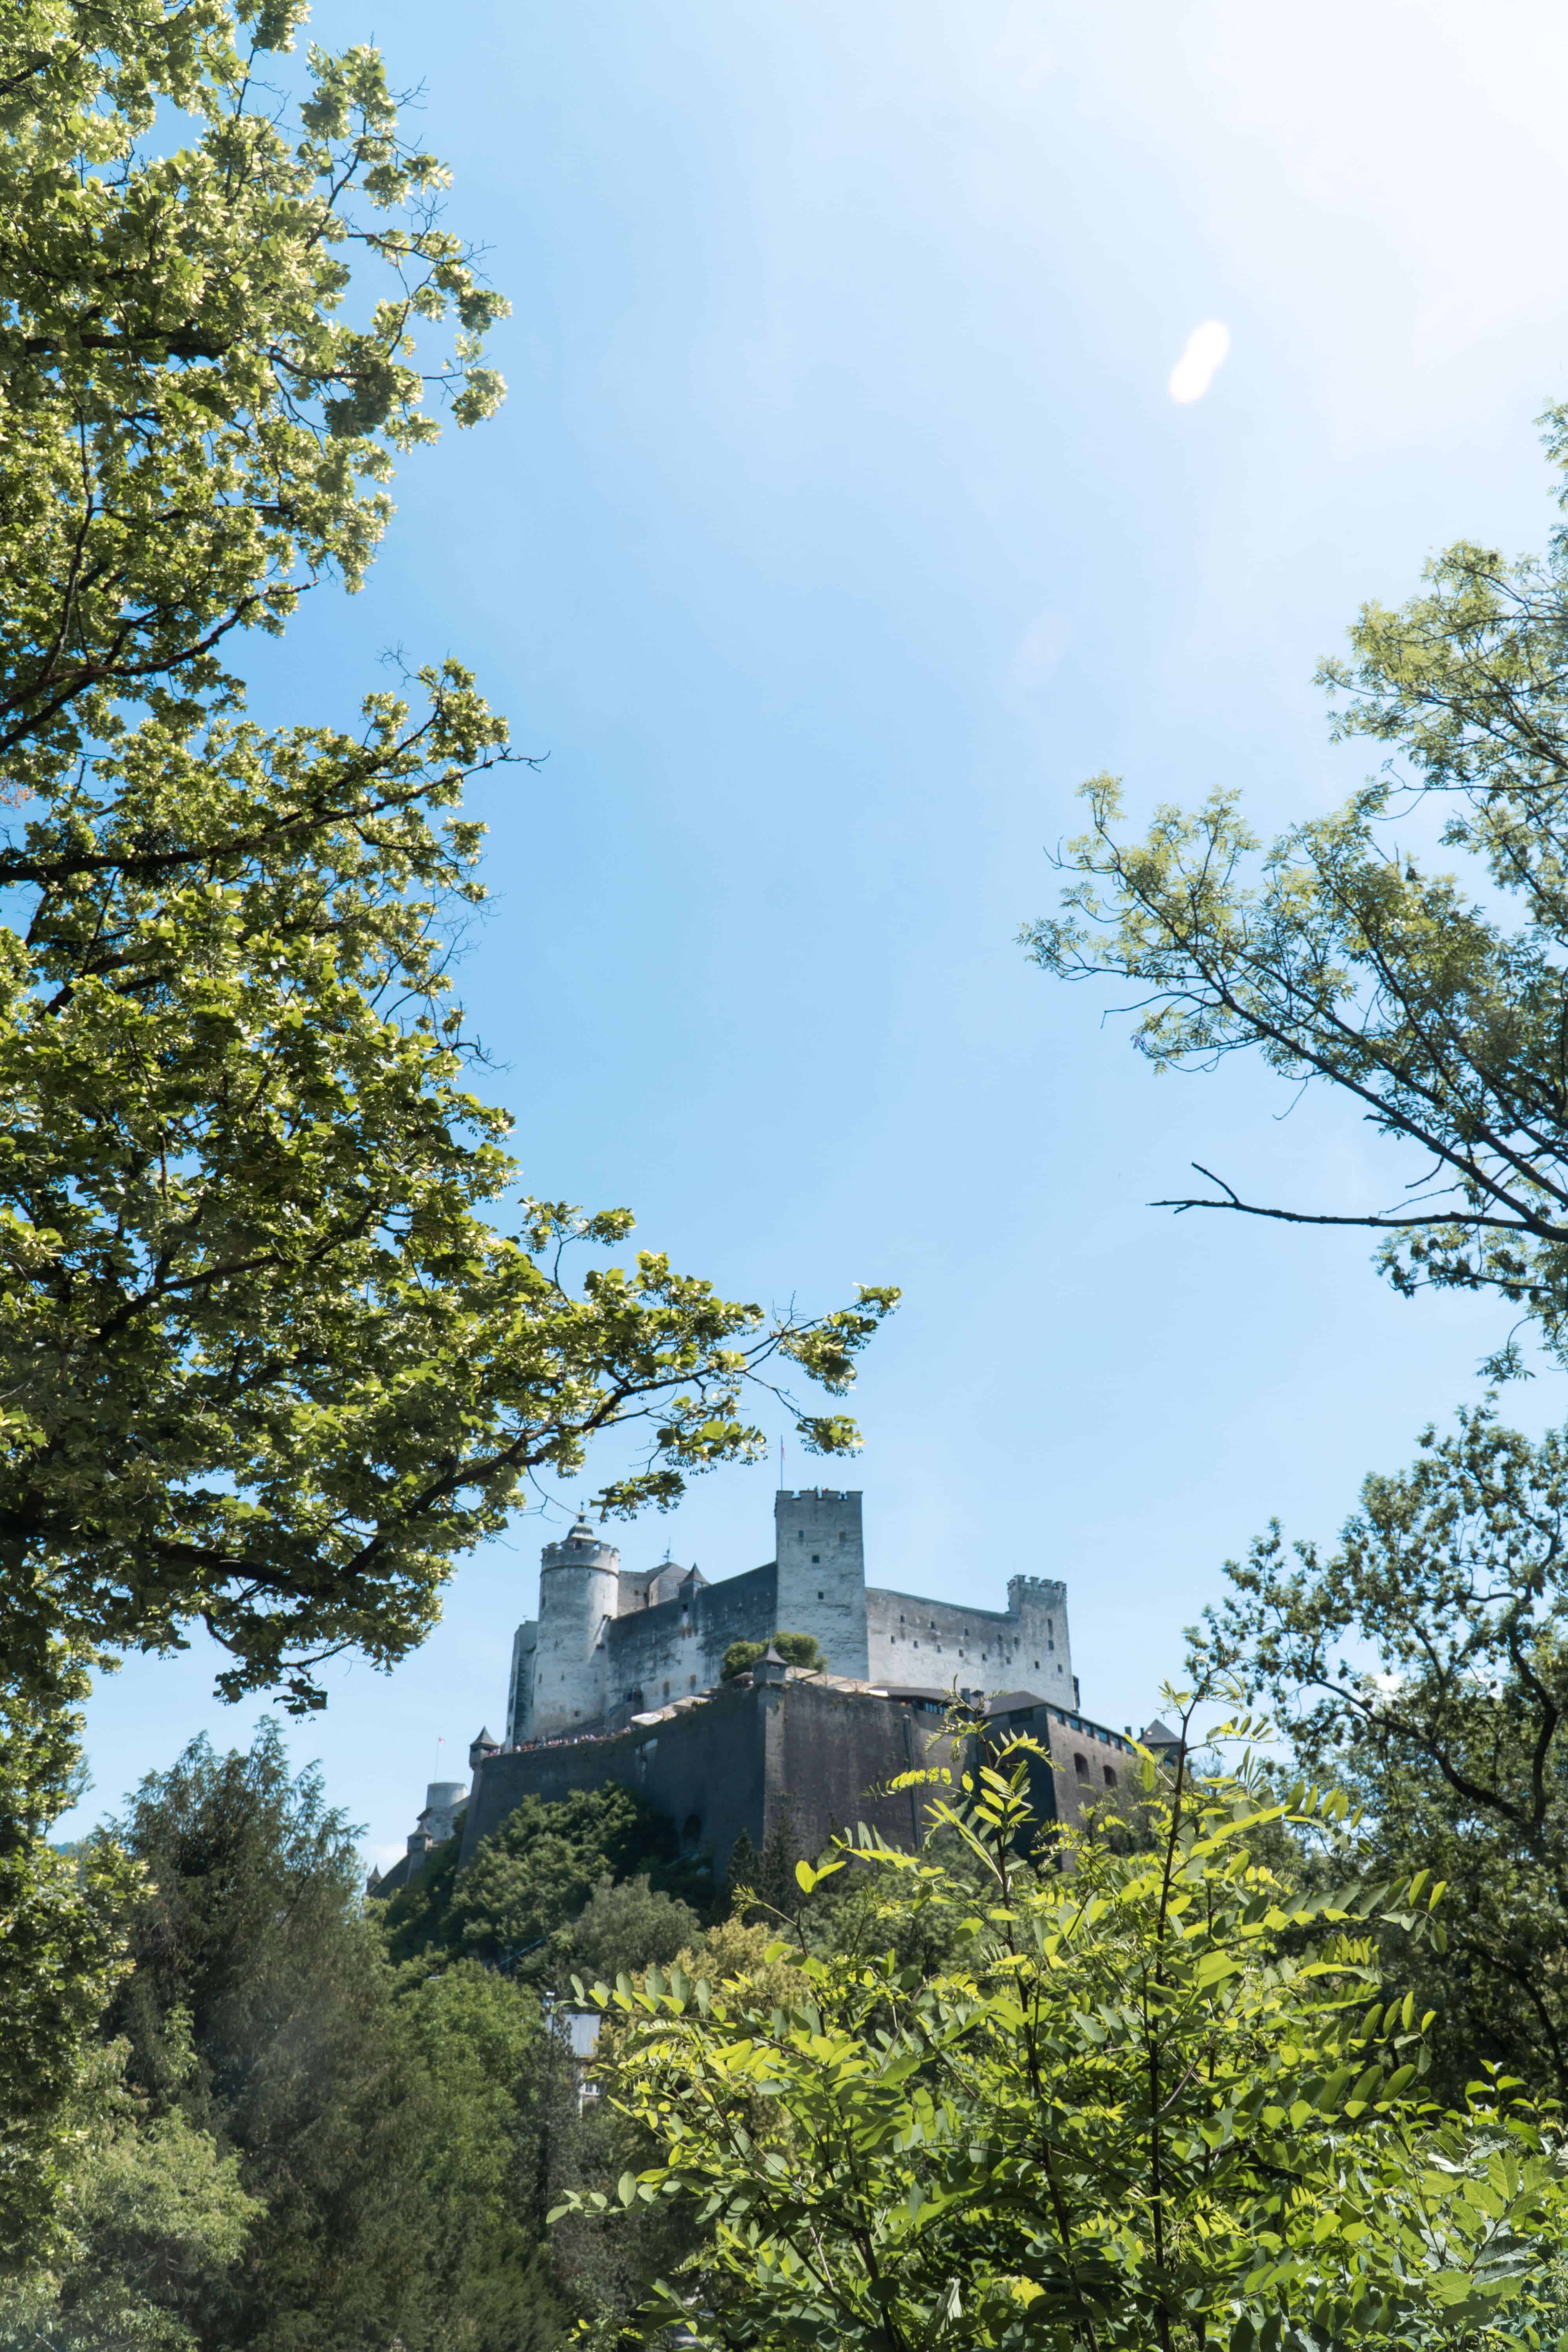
x=1200 y=361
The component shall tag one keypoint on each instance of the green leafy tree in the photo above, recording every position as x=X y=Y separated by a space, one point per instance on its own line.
x=488 y=2279
x=1128 y=2117
x=377 y=2117
x=270 y=1366
x=417 y=1916
x=802 y=1650
x=278 y=1342
x=1423 y=1665
x=530 y=1881
x=274 y=1351
x=195 y=431
x=762 y=1883
x=537 y=1873
x=60 y=1934
x=622 y=1929
x=157 y=2222
x=1344 y=957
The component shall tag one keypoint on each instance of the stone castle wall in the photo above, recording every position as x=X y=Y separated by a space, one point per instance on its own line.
x=620 y=1681
x=806 y=1755
x=652 y=1656
x=579 y=1594
x=914 y=1642
x=745 y=1759
x=609 y=1643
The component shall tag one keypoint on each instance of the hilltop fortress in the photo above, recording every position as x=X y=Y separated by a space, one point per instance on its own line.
x=610 y=1641
x=619 y=1679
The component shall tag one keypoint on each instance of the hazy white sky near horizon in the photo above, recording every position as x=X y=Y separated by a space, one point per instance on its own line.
x=839 y=522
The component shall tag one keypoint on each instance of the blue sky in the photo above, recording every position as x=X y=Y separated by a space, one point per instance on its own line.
x=838 y=523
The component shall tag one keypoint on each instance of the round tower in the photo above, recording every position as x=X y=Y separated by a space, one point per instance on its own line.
x=579 y=1590
x=442 y=1798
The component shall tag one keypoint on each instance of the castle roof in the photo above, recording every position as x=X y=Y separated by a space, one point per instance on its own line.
x=582 y=1535
x=650 y=1575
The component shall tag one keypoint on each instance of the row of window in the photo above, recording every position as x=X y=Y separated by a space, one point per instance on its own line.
x=984 y=1654
x=1090 y=1730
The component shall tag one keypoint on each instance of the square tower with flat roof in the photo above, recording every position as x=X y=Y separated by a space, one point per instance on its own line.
x=821 y=1556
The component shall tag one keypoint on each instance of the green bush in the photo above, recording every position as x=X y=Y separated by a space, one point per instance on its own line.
x=799 y=1650
x=1126 y=2115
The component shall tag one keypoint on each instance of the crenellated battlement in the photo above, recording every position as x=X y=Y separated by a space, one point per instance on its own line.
x=1036 y=1592
x=820 y=1554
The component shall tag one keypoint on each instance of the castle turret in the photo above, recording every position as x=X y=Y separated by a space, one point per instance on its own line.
x=821 y=1556
x=1039 y=1603
x=579 y=1593
x=442 y=1798
x=436 y=1824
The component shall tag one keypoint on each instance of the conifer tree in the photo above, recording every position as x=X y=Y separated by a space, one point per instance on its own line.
x=377 y=2117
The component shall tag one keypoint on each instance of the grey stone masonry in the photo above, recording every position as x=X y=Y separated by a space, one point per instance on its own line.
x=810 y=1756
x=610 y=1641
x=1025 y=1646
x=579 y=1595
x=821 y=1563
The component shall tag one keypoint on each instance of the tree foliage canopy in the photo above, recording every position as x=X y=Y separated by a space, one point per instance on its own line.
x=60 y=1915
x=158 y=2223
x=195 y=427
x=1343 y=956
x=376 y=2116
x=802 y=1650
x=275 y=1349
x=1128 y=2117
x=1423 y=1664
x=529 y=1883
